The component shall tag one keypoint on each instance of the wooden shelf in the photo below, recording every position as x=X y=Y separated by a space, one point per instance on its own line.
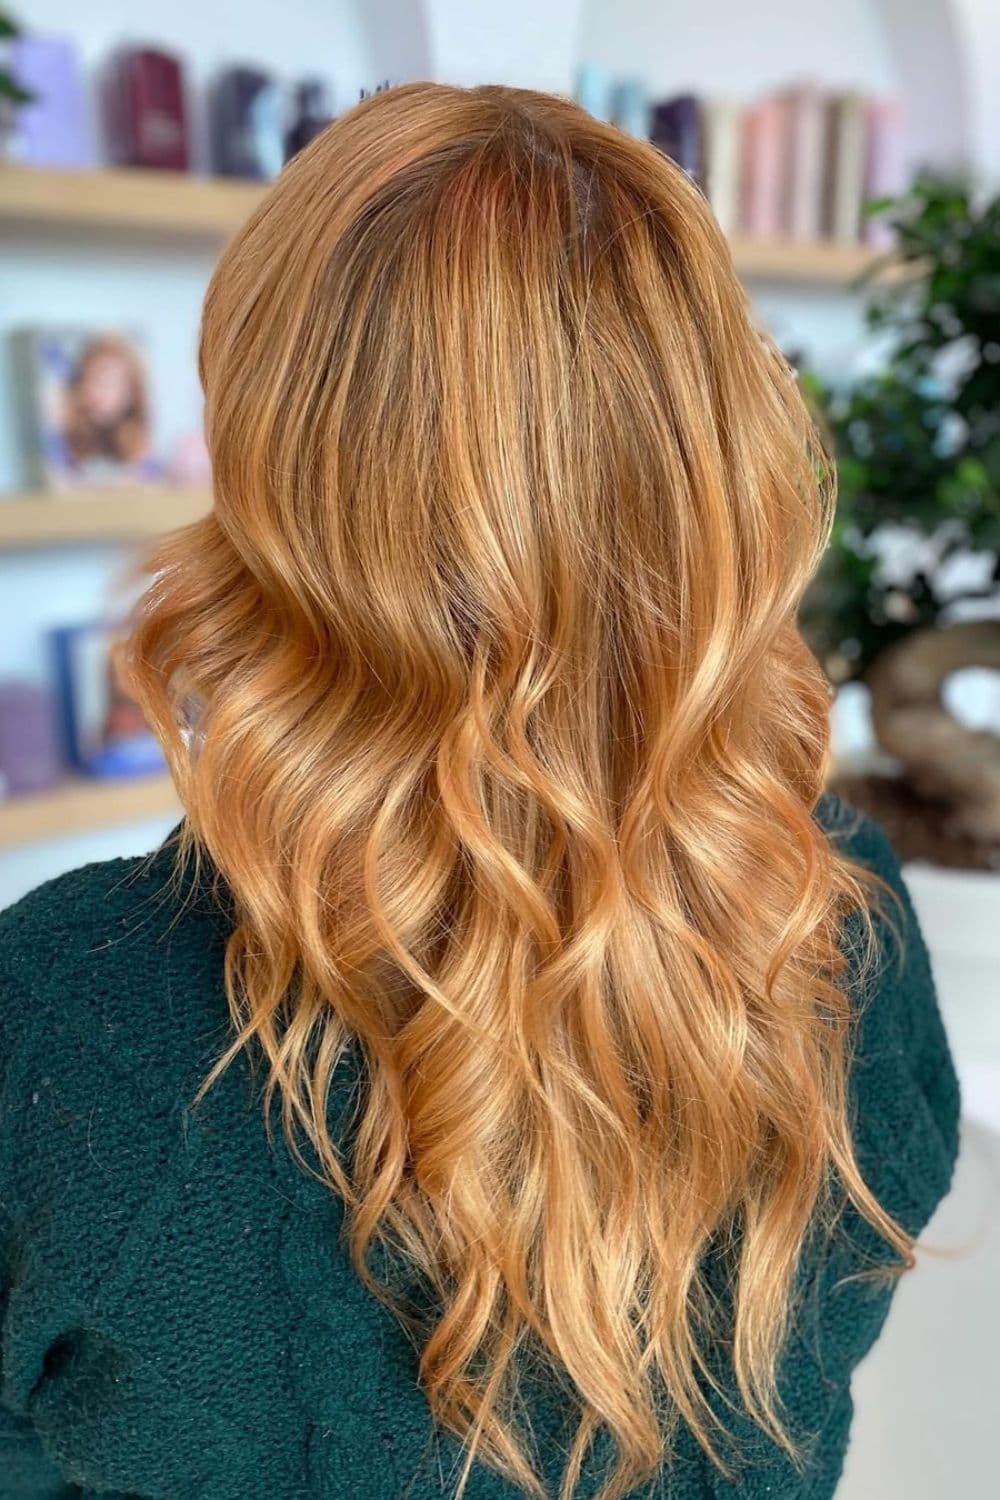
x=177 y=206
x=820 y=262
x=29 y=520
x=126 y=201
x=78 y=805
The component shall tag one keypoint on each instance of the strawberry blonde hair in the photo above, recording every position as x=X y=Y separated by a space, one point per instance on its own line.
x=507 y=747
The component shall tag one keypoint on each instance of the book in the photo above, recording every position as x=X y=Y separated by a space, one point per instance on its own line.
x=245 y=113
x=593 y=90
x=721 y=121
x=145 y=109
x=764 y=170
x=806 y=124
x=52 y=129
x=85 y=408
x=312 y=115
x=886 y=168
x=29 y=746
x=676 y=128
x=630 y=107
x=847 y=167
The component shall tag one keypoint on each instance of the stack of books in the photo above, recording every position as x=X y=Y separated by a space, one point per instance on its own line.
x=799 y=164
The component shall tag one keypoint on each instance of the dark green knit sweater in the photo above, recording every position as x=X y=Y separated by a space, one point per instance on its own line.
x=179 y=1318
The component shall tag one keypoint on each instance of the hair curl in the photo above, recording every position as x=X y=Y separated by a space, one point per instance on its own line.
x=508 y=747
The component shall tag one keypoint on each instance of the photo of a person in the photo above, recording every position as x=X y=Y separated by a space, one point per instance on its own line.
x=105 y=731
x=106 y=404
x=123 y=718
x=88 y=408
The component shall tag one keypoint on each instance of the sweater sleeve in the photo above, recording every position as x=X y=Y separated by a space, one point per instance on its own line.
x=26 y=1470
x=26 y=1473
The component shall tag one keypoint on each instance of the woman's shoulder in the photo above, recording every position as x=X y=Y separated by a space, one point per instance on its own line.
x=858 y=835
x=894 y=978
x=71 y=905
x=122 y=956
x=900 y=964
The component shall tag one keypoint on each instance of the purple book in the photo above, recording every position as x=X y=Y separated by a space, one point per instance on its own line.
x=52 y=129
x=676 y=128
x=29 y=743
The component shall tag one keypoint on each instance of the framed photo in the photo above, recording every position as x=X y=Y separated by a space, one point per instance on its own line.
x=104 y=730
x=85 y=402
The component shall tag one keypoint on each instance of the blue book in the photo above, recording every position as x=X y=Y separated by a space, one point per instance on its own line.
x=677 y=130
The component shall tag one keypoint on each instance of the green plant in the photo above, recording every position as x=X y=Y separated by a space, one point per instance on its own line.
x=11 y=92
x=917 y=445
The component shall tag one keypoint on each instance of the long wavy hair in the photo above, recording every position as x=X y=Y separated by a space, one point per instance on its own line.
x=507 y=747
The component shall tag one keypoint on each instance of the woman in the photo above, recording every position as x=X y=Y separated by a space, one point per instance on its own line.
x=514 y=1078
x=99 y=430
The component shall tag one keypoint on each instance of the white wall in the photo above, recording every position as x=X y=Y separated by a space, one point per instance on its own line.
x=979 y=27
x=927 y=42
x=21 y=870
x=529 y=43
x=729 y=48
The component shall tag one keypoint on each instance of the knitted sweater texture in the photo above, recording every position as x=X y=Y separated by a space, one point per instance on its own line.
x=179 y=1318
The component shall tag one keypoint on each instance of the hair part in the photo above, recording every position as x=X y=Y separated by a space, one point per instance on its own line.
x=507 y=747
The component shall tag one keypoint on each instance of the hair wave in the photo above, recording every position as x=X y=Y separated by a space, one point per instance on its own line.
x=508 y=746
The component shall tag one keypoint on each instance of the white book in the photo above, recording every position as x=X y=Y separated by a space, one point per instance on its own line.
x=848 y=163
x=722 y=161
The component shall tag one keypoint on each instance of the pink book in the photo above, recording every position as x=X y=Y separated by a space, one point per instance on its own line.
x=765 y=159
x=886 y=173
x=806 y=122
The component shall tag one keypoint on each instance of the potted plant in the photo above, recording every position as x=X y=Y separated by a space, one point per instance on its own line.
x=908 y=595
x=909 y=592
